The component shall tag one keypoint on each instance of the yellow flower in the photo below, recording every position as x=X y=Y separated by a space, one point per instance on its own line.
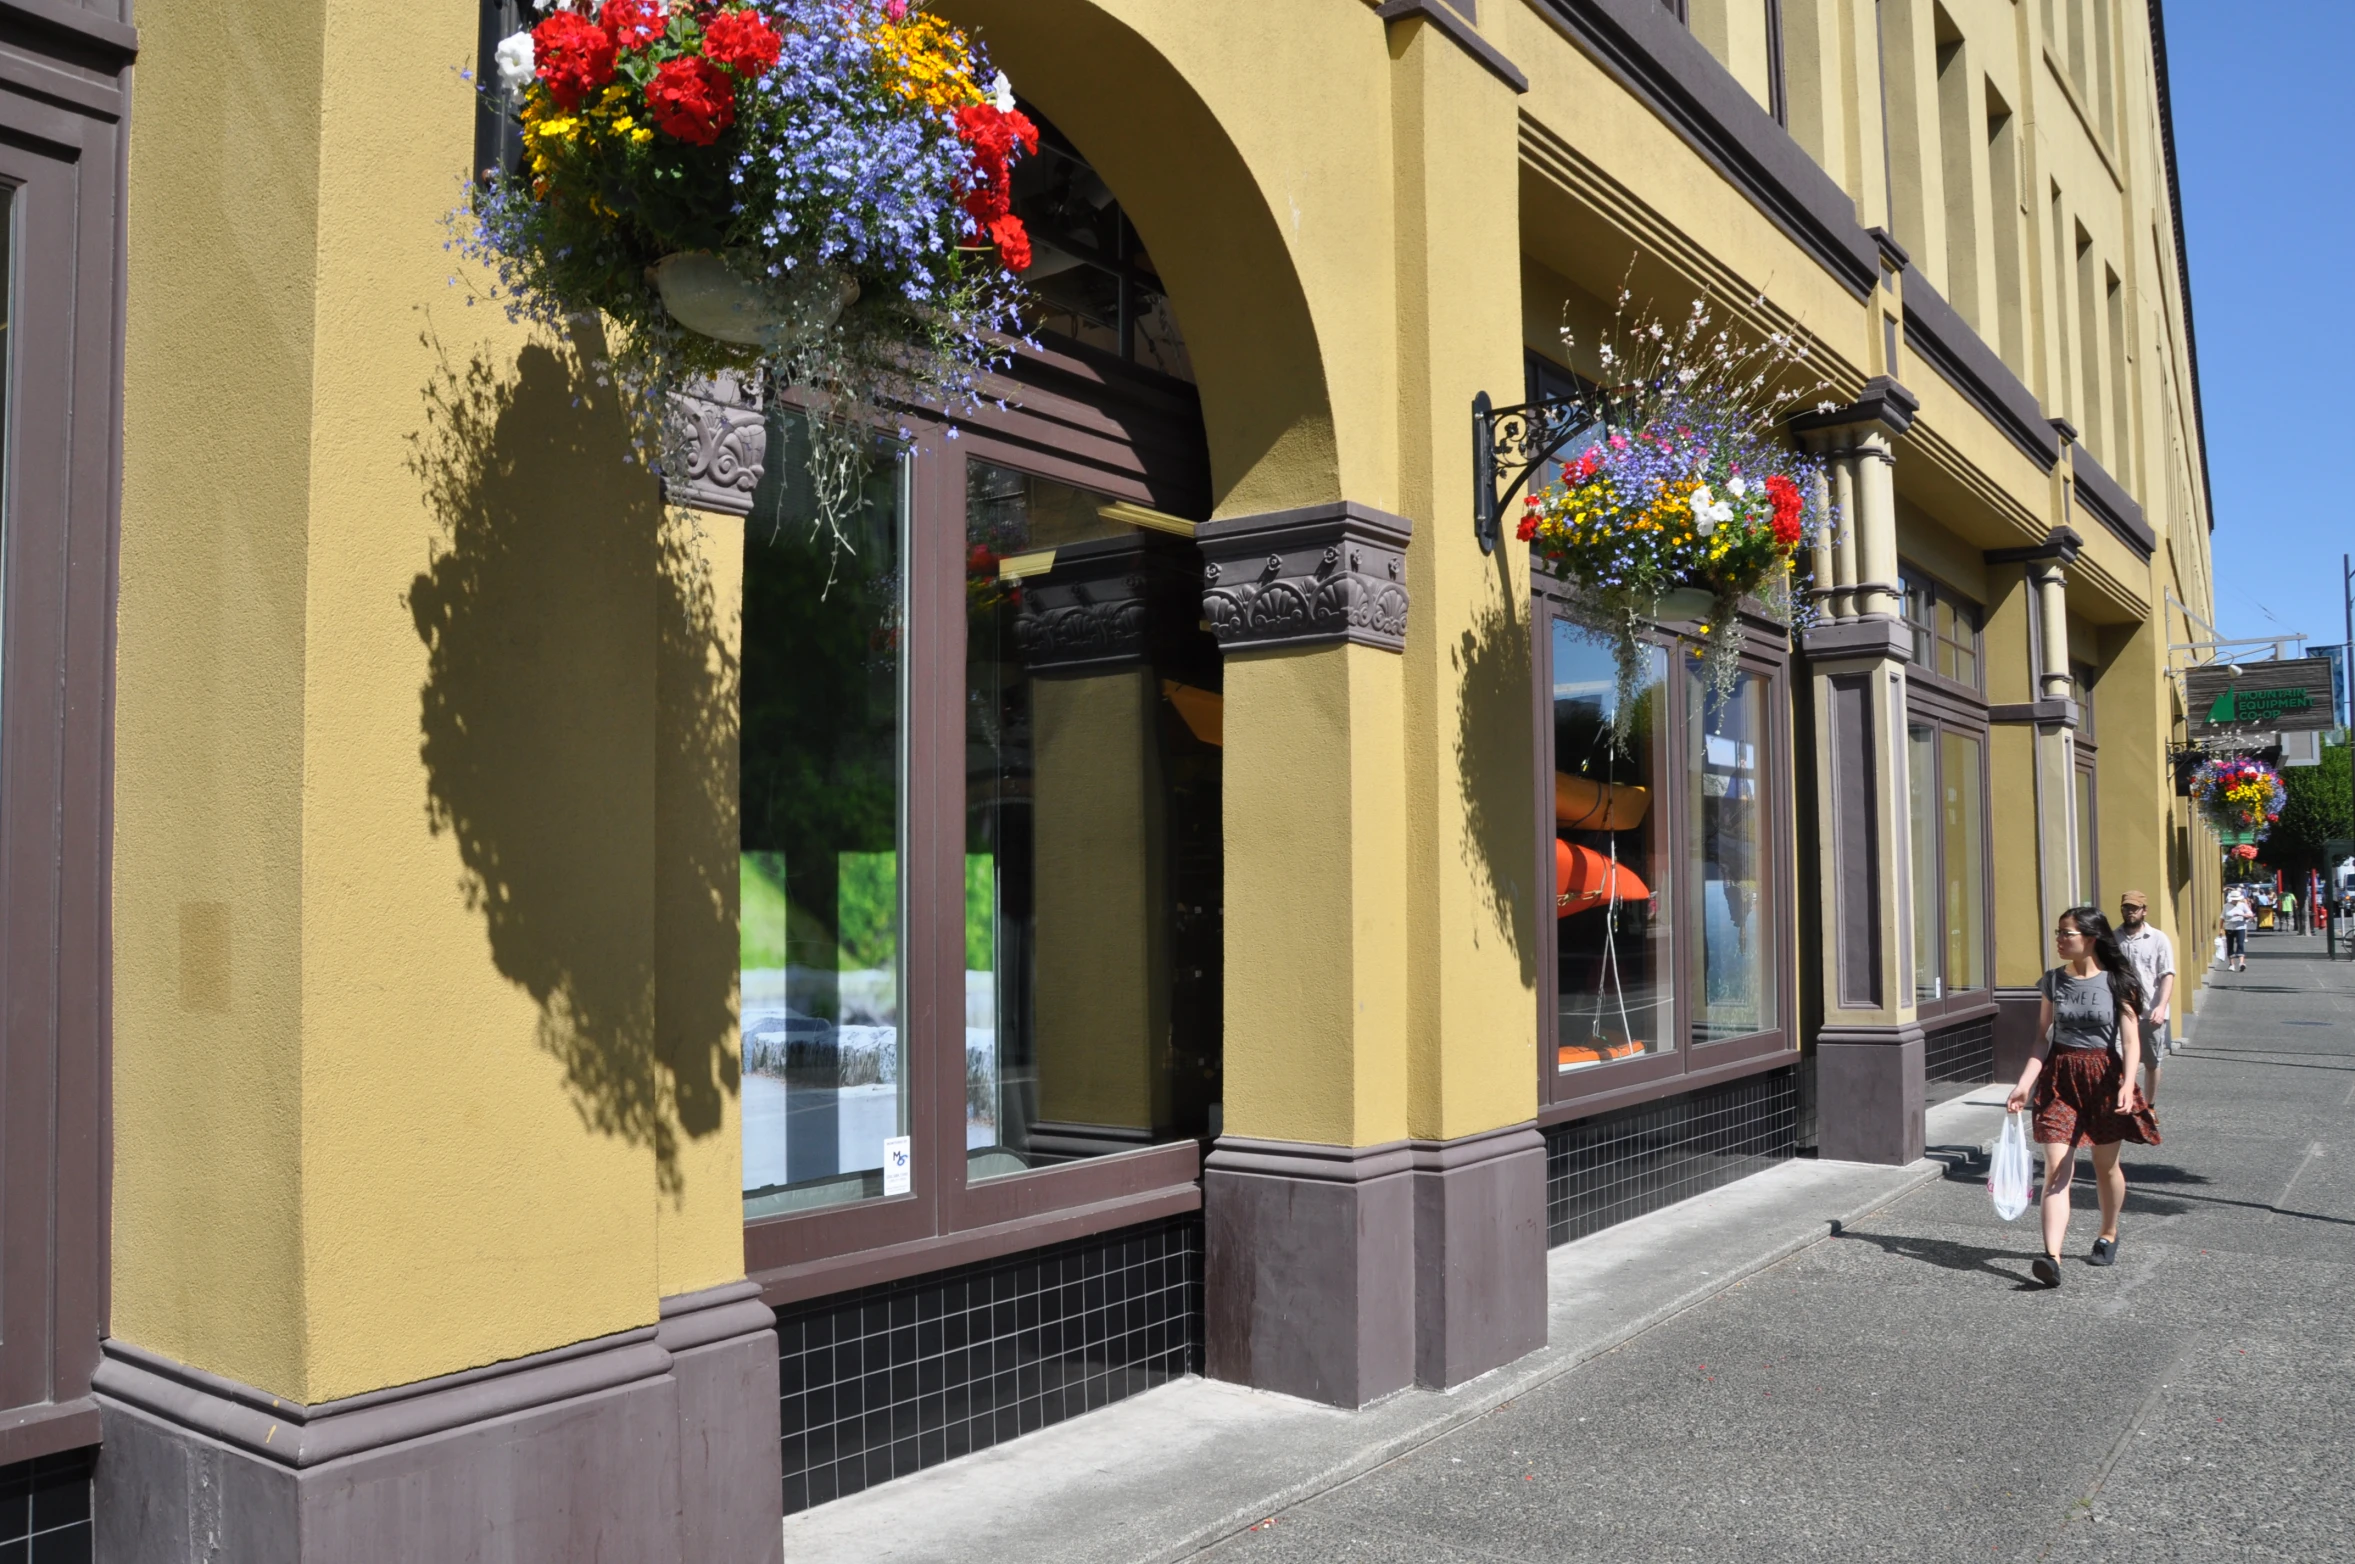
x=641 y=136
x=926 y=61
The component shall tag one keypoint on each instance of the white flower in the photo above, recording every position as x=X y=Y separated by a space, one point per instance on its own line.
x=1709 y=510
x=515 y=62
x=1737 y=485
x=1001 y=93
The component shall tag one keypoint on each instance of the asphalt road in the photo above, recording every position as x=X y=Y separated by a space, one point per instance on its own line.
x=1903 y=1390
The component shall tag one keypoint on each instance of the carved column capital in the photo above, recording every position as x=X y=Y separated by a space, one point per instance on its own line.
x=722 y=434
x=1104 y=601
x=1332 y=572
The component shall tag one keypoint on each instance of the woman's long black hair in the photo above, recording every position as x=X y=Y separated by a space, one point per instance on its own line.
x=2125 y=982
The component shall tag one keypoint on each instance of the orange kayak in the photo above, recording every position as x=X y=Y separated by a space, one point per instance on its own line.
x=1583 y=804
x=1584 y=879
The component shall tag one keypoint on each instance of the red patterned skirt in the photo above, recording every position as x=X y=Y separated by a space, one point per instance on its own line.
x=2076 y=1099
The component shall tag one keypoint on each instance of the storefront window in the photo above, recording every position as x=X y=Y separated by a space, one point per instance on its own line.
x=1964 y=857
x=1922 y=822
x=1089 y=275
x=1611 y=913
x=1091 y=705
x=1725 y=758
x=825 y=1060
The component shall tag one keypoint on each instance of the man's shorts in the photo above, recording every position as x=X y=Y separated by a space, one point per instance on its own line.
x=2158 y=1041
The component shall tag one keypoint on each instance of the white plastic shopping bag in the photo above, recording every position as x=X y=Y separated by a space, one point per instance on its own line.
x=2010 y=1173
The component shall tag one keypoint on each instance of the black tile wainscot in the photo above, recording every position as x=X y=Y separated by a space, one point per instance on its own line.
x=1959 y=1058
x=1618 y=1165
x=889 y=1380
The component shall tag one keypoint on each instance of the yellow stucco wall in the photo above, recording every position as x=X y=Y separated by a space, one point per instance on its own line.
x=395 y=626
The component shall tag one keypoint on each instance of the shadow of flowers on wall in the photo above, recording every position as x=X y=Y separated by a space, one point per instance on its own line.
x=1494 y=765
x=577 y=724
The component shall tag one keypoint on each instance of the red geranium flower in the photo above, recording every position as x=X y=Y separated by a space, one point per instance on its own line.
x=573 y=56
x=994 y=134
x=742 y=42
x=692 y=99
x=633 y=24
x=1783 y=494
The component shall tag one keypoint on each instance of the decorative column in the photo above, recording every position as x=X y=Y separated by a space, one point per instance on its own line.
x=1308 y=1197
x=2051 y=717
x=1868 y=1047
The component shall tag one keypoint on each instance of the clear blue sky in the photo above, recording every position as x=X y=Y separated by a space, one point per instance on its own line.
x=2264 y=135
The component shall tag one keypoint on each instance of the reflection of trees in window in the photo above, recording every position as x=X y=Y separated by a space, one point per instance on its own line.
x=1094 y=281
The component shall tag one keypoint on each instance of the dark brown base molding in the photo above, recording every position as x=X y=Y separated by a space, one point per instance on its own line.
x=1869 y=1094
x=2016 y=1010
x=1342 y=1274
x=657 y=1444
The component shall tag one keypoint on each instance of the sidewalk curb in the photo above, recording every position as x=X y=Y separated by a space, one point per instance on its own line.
x=1496 y=1388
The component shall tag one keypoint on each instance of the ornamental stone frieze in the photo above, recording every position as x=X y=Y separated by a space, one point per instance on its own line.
x=721 y=428
x=1332 y=572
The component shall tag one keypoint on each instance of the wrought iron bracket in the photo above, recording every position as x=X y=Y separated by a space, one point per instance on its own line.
x=1510 y=443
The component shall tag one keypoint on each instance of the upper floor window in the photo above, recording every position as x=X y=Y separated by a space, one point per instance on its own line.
x=1945 y=629
x=1090 y=272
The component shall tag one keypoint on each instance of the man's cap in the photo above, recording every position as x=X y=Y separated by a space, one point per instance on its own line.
x=2133 y=899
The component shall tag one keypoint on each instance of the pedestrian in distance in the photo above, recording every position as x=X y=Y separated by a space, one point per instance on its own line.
x=2289 y=912
x=2080 y=1079
x=2238 y=919
x=2152 y=954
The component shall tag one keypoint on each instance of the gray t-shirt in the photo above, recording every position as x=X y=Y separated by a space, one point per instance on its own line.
x=2153 y=955
x=2084 y=1011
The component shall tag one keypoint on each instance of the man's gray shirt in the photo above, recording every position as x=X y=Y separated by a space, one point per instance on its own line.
x=2153 y=955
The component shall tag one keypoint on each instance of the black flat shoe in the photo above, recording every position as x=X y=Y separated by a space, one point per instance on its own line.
x=2105 y=1252
x=2047 y=1269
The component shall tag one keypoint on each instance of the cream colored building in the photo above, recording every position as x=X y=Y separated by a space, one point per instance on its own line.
x=516 y=934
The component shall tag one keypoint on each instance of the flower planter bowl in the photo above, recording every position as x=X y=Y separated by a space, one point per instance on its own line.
x=1686 y=604
x=706 y=295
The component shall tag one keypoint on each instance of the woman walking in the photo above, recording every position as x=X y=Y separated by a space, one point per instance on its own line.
x=2081 y=1078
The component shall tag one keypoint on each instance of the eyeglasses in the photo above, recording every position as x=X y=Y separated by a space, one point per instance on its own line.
x=2068 y=934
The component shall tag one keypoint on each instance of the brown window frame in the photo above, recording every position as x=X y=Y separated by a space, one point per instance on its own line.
x=1690 y=1065
x=1916 y=584
x=65 y=82
x=1084 y=417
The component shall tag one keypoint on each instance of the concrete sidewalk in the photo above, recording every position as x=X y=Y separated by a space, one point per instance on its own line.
x=1170 y=1472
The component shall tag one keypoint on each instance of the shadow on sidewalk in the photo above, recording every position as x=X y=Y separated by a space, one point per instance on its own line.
x=1950 y=1256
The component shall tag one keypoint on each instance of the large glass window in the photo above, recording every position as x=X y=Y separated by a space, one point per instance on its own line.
x=1725 y=754
x=1945 y=629
x=1947 y=815
x=1092 y=844
x=1611 y=902
x=1089 y=273
x=825 y=1060
x=1962 y=787
x=1923 y=834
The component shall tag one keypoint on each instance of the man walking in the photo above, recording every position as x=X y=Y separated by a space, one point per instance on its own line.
x=2153 y=956
x=2289 y=911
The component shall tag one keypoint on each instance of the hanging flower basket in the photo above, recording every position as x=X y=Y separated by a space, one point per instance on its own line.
x=1690 y=504
x=813 y=192
x=2239 y=796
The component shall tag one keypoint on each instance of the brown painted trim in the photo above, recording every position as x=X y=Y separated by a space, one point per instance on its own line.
x=864 y=1268
x=716 y=1314
x=1964 y=361
x=1629 y=1096
x=1643 y=47
x=291 y=1435
x=1944 y=1015
x=2046 y=713
x=2062 y=544
x=1884 y=401
x=27 y=1432
x=77 y=25
x=1448 y=22
x=1466 y=1151
x=1878 y=638
x=1309 y=1160
x=1894 y=258
x=2111 y=505
x=2191 y=338
x=1893 y=1035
